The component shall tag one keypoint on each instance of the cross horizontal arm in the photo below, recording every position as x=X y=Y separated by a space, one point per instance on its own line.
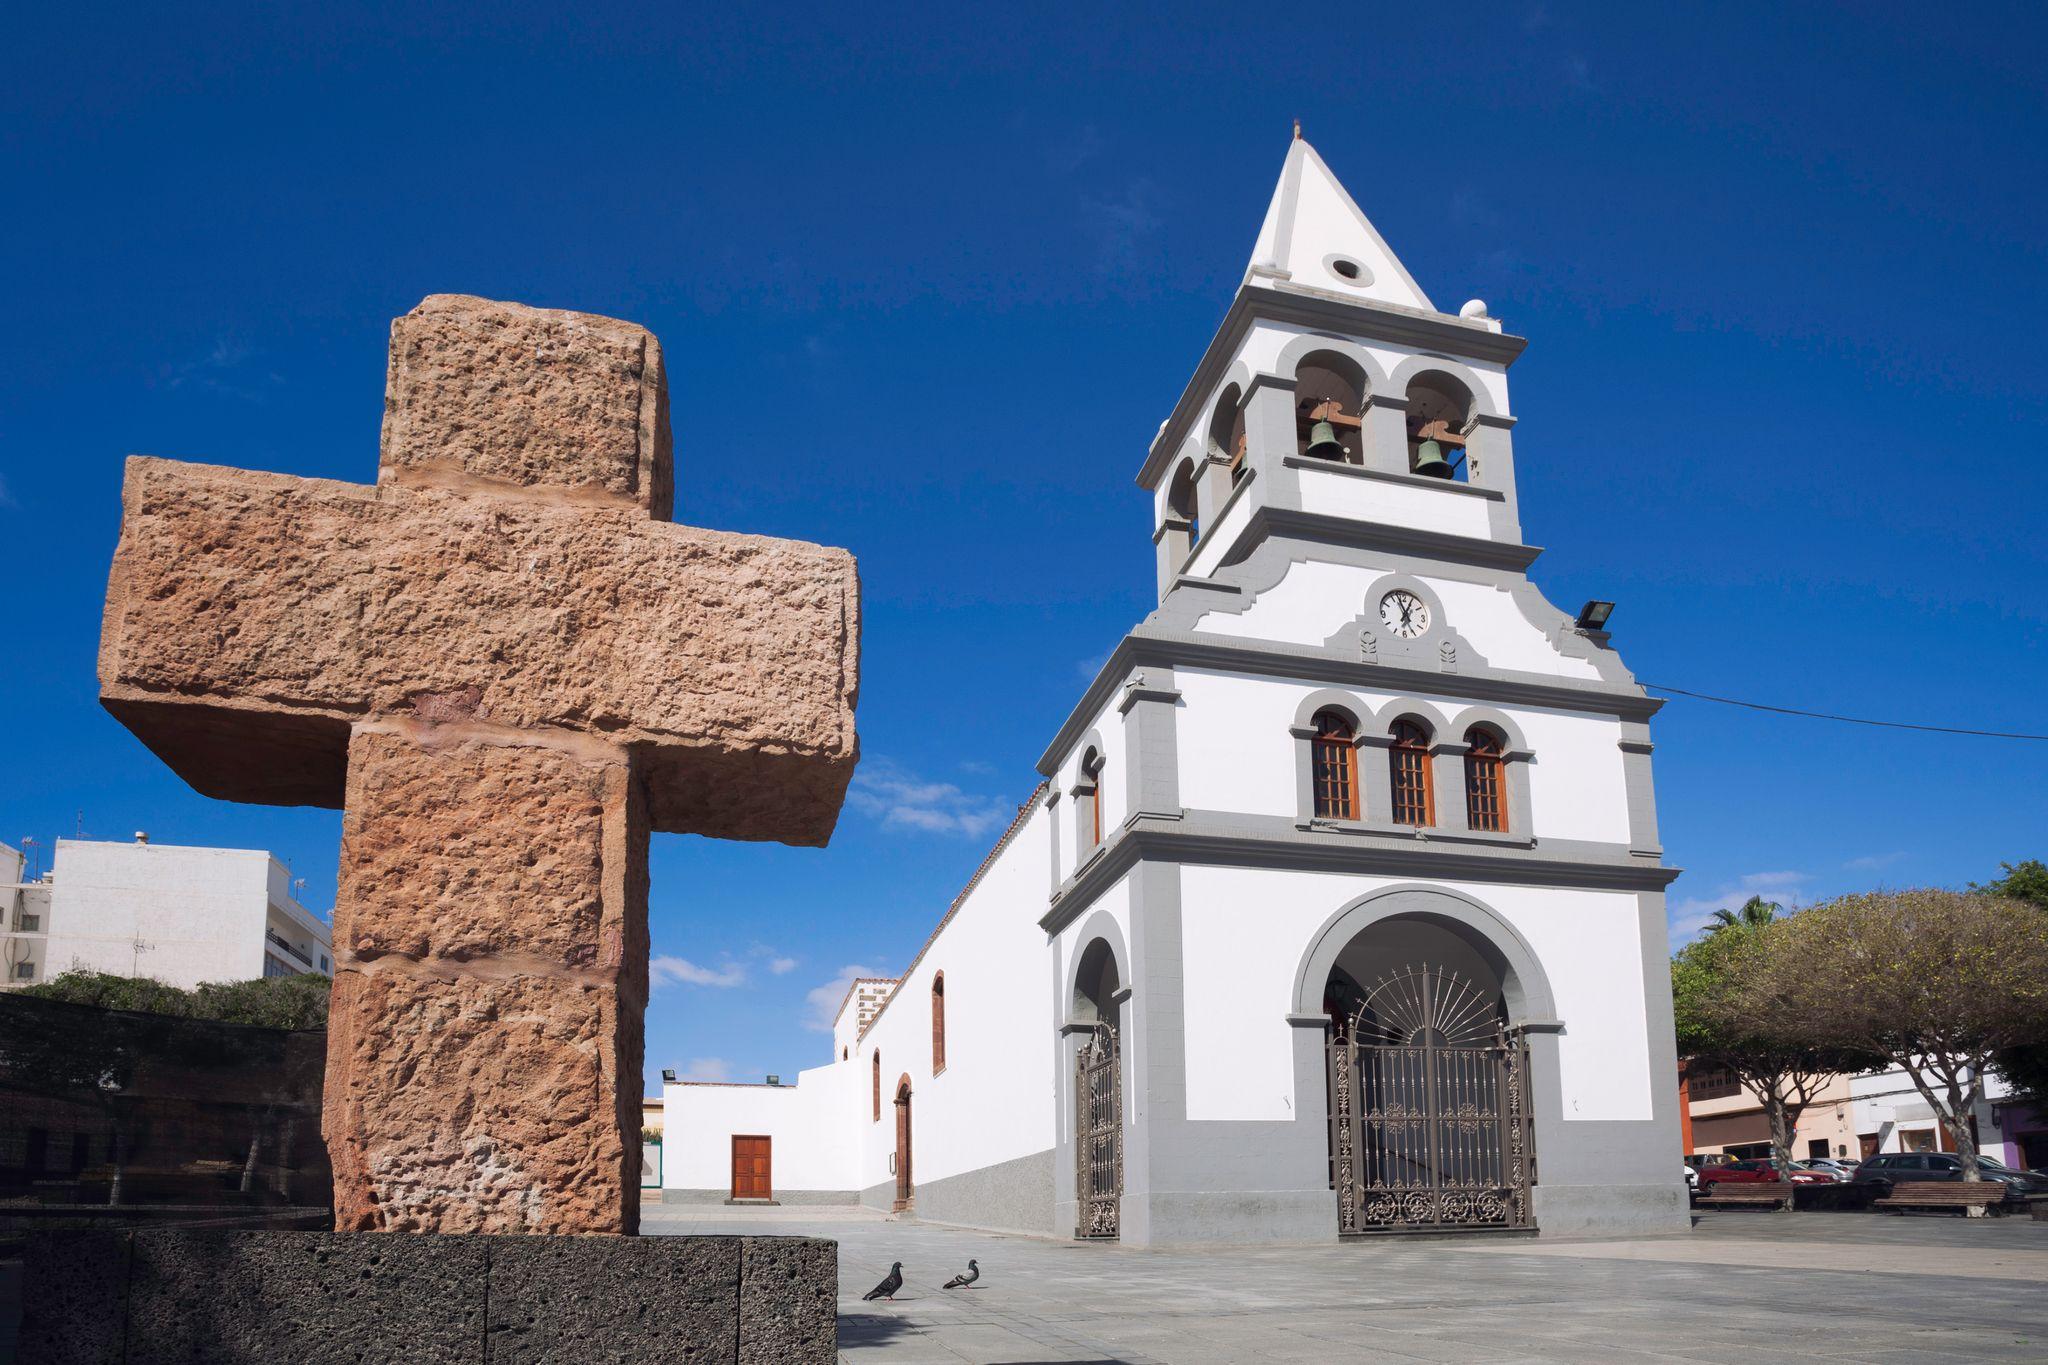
x=253 y=618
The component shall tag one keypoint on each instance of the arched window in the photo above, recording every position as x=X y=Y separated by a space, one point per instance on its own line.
x=1408 y=763
x=878 y=1085
x=842 y=1054
x=1329 y=406
x=938 y=1023
x=1486 y=806
x=1334 y=755
x=1090 y=796
x=1181 y=503
x=1439 y=419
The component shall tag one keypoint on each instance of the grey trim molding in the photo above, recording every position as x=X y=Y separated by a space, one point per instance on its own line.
x=1235 y=840
x=1335 y=530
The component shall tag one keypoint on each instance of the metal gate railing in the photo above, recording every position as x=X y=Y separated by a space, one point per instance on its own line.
x=1099 y=1135
x=1429 y=1114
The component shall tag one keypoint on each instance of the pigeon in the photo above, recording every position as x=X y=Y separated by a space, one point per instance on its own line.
x=891 y=1282
x=962 y=1281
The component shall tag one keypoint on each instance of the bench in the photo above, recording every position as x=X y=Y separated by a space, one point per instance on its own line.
x=1772 y=1192
x=1960 y=1195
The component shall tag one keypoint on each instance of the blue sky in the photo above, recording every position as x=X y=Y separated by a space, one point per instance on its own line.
x=929 y=280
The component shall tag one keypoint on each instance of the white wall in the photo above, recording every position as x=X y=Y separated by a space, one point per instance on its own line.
x=1315 y=600
x=1236 y=753
x=1240 y=1059
x=808 y=1122
x=994 y=1100
x=179 y=914
x=1450 y=510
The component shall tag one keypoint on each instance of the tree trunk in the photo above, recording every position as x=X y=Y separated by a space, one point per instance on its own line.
x=249 y=1164
x=1955 y=1117
x=284 y=1157
x=119 y=1155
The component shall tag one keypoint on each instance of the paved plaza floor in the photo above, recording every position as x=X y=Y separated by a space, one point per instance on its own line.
x=1743 y=1286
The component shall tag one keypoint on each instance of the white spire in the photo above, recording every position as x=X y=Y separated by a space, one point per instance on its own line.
x=1314 y=232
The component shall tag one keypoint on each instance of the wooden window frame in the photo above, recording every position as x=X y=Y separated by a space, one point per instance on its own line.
x=938 y=1023
x=875 y=1062
x=1336 y=747
x=1410 y=753
x=1486 y=782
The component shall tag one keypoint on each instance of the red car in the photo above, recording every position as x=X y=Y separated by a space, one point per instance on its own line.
x=1740 y=1172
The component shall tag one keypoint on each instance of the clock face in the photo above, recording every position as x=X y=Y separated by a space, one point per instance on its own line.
x=1405 y=614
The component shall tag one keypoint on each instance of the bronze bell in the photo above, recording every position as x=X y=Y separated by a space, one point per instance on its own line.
x=1323 y=443
x=1430 y=461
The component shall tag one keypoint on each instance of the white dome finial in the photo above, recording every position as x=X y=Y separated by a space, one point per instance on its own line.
x=1474 y=308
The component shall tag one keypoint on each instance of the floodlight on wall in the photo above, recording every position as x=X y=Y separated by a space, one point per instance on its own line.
x=668 y=1075
x=1593 y=616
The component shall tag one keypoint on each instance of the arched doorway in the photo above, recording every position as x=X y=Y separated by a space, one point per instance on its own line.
x=905 y=1191
x=1429 y=1109
x=1098 y=1096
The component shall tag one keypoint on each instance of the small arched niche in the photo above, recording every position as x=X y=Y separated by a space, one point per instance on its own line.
x=1330 y=387
x=1439 y=414
x=1182 y=505
x=1227 y=433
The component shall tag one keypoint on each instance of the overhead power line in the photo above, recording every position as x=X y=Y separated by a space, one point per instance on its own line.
x=1847 y=720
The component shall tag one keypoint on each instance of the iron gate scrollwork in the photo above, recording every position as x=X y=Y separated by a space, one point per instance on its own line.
x=1099 y=1135
x=1429 y=1112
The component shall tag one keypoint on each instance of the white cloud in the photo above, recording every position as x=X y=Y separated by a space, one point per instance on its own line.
x=664 y=969
x=1687 y=917
x=705 y=1069
x=782 y=966
x=822 y=1002
x=1872 y=862
x=902 y=800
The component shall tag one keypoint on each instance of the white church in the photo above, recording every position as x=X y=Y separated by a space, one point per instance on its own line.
x=1339 y=910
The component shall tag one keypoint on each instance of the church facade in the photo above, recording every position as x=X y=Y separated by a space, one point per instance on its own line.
x=1339 y=909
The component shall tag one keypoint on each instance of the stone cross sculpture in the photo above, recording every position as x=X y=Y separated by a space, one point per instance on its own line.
x=507 y=666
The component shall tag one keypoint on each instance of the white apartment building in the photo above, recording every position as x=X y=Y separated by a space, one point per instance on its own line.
x=180 y=915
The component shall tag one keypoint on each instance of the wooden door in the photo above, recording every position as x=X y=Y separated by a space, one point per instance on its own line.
x=904 y=1188
x=752 y=1157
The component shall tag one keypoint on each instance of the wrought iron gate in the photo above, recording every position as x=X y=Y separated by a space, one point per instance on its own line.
x=1099 y=1135
x=1429 y=1109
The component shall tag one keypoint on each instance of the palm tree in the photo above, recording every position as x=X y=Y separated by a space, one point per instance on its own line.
x=1755 y=913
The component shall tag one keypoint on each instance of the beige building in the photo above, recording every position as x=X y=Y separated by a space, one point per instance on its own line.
x=1725 y=1117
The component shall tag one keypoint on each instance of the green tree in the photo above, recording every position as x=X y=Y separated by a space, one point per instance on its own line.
x=285 y=1002
x=1940 y=983
x=1755 y=913
x=1727 y=1013
x=2025 y=1068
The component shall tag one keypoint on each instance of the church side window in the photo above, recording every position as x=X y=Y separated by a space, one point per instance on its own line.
x=878 y=1084
x=1409 y=764
x=938 y=1023
x=1485 y=790
x=1335 y=759
x=1090 y=812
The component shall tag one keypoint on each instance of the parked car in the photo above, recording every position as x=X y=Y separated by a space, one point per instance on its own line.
x=1692 y=1180
x=1835 y=1172
x=1886 y=1169
x=1755 y=1170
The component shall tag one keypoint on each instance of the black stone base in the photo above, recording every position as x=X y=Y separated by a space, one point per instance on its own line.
x=140 y=1298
